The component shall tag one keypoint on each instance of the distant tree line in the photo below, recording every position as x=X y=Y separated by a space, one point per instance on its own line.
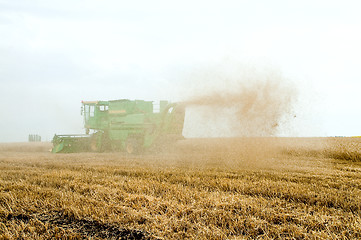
x=34 y=138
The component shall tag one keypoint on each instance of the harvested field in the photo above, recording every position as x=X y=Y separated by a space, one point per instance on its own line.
x=241 y=188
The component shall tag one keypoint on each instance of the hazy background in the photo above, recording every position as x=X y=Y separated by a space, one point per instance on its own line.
x=53 y=54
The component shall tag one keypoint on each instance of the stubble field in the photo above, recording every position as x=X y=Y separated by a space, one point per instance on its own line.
x=244 y=188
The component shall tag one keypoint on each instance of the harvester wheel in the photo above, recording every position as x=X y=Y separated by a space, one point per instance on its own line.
x=96 y=142
x=132 y=146
x=93 y=144
x=106 y=144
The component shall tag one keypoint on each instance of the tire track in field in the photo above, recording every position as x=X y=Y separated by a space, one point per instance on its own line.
x=86 y=227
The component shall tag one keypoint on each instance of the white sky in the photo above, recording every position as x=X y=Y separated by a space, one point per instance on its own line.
x=53 y=54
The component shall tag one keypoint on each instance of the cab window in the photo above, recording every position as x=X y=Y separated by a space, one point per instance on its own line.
x=92 y=108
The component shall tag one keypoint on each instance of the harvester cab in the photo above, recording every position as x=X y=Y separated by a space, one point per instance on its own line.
x=130 y=125
x=95 y=114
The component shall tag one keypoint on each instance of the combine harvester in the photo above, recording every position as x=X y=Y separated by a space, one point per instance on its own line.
x=123 y=125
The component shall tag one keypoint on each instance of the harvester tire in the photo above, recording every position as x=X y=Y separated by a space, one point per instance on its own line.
x=106 y=143
x=96 y=142
x=132 y=146
x=93 y=144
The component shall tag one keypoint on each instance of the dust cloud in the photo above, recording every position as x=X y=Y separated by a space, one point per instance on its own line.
x=237 y=100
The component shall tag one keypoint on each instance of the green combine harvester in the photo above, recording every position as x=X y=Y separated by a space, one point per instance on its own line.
x=123 y=125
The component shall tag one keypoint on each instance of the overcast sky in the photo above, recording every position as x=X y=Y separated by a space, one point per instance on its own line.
x=53 y=54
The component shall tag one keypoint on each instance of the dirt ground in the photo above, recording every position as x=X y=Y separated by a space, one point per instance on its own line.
x=235 y=188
